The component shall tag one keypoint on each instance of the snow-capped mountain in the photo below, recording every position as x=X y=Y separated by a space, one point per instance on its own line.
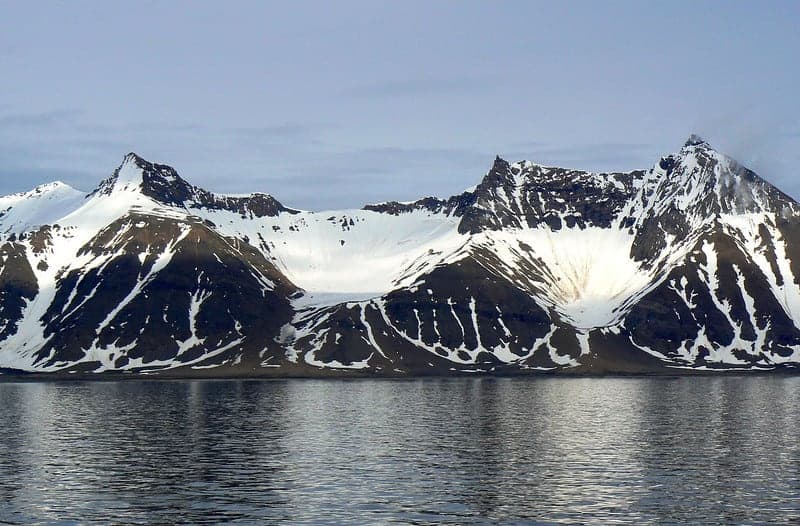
x=692 y=264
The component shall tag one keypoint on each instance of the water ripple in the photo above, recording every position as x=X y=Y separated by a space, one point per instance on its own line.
x=433 y=451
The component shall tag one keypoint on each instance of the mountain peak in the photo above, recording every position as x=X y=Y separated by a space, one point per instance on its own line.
x=53 y=186
x=500 y=164
x=499 y=174
x=162 y=184
x=157 y=181
x=695 y=140
x=133 y=157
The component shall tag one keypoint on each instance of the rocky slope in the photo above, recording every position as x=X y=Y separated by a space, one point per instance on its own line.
x=692 y=265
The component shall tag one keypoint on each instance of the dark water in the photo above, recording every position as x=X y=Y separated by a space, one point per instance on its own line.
x=457 y=451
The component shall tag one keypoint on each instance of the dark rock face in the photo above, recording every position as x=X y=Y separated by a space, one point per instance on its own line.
x=693 y=264
x=431 y=204
x=445 y=323
x=552 y=196
x=195 y=298
x=17 y=286
x=528 y=195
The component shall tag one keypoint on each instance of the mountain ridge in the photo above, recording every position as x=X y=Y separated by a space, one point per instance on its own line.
x=693 y=263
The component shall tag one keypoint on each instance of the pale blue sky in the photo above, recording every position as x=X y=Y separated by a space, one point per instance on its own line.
x=336 y=104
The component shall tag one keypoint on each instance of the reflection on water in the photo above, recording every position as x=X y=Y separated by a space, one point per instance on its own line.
x=636 y=451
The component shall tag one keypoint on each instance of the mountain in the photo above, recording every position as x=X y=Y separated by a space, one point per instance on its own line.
x=692 y=265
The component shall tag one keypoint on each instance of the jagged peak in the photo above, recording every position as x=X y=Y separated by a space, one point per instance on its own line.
x=150 y=170
x=705 y=182
x=500 y=163
x=163 y=184
x=499 y=174
x=133 y=157
x=695 y=140
x=137 y=168
x=136 y=174
x=695 y=150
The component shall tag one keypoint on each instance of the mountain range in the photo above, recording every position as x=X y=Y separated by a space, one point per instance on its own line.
x=691 y=265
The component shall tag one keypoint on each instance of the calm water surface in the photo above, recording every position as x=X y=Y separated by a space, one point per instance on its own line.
x=456 y=451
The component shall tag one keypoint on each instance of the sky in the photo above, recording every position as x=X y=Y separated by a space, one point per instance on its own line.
x=329 y=105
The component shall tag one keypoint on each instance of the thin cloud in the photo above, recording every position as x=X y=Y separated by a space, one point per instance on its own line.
x=290 y=130
x=46 y=119
x=426 y=86
x=165 y=127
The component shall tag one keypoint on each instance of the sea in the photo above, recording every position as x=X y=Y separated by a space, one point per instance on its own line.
x=542 y=450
